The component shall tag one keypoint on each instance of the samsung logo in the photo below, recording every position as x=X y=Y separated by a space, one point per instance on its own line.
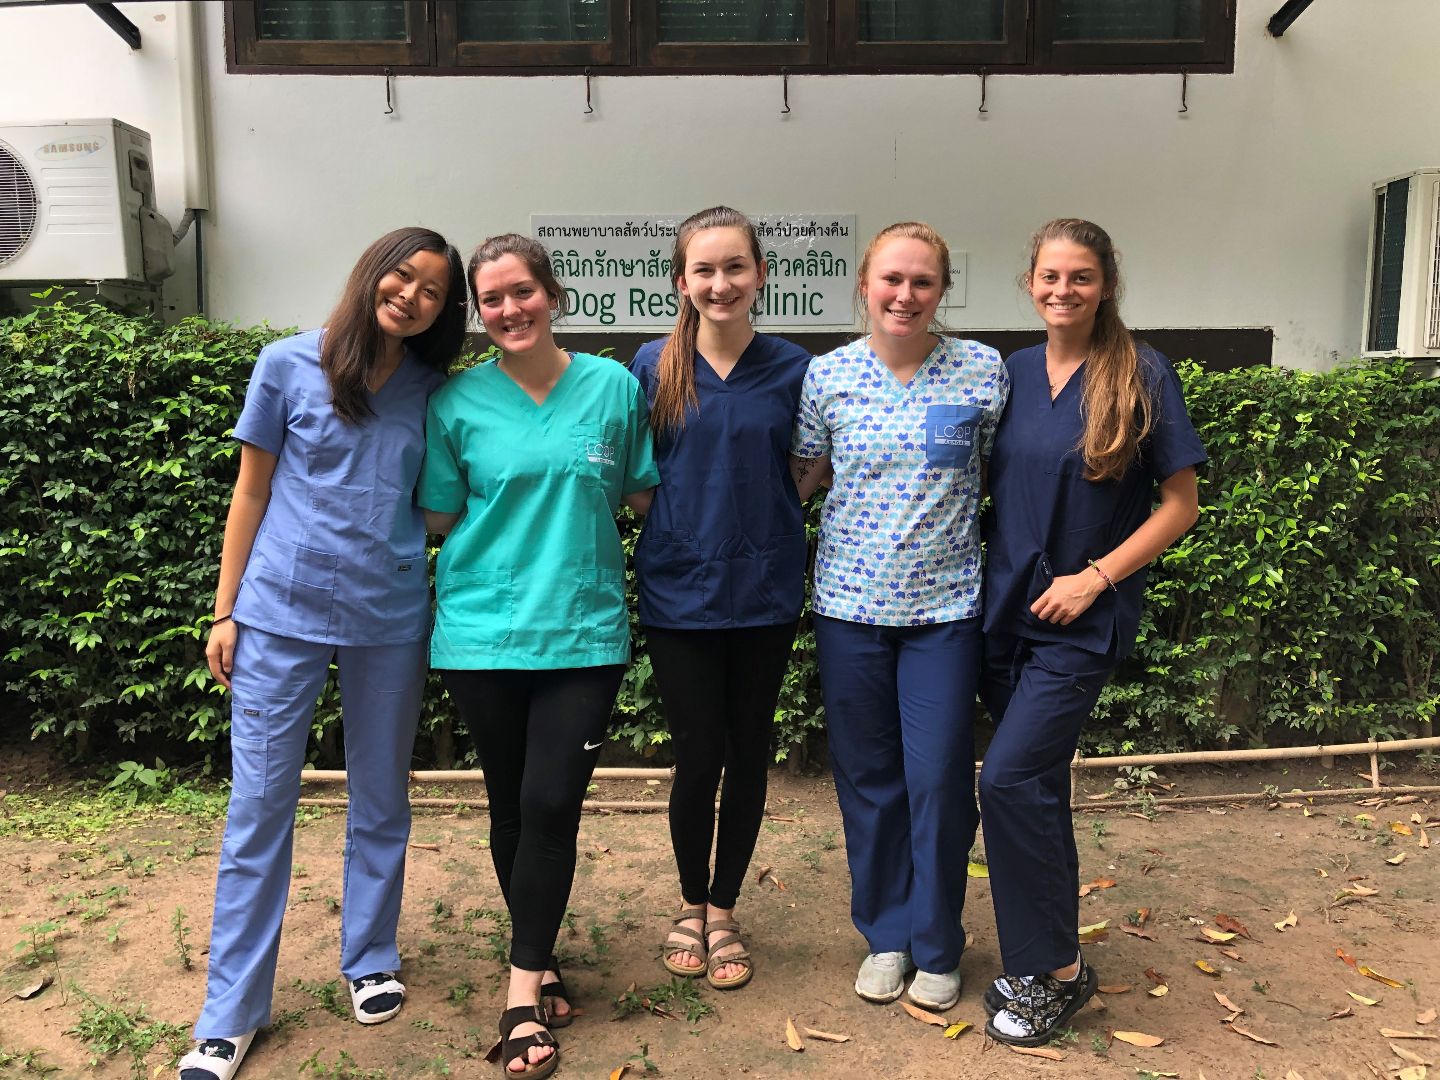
x=71 y=148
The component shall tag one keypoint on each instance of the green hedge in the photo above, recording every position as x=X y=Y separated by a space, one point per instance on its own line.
x=1303 y=606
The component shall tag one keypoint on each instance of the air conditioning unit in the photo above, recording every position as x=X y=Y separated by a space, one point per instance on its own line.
x=1402 y=303
x=77 y=203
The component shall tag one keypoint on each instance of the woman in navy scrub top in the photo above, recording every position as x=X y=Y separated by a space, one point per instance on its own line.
x=1096 y=423
x=324 y=562
x=720 y=565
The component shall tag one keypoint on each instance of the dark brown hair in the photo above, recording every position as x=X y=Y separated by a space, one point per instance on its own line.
x=675 y=372
x=531 y=252
x=352 y=341
x=1115 y=406
x=902 y=230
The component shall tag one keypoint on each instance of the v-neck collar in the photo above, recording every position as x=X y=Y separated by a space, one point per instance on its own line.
x=905 y=387
x=742 y=364
x=399 y=375
x=552 y=399
x=1072 y=384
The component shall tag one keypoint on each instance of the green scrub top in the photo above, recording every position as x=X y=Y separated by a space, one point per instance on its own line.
x=532 y=576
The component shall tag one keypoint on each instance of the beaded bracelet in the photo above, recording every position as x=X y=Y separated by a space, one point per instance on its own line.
x=1096 y=567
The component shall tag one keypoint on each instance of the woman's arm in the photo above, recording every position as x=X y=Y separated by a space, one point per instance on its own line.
x=809 y=473
x=438 y=523
x=1070 y=596
x=242 y=524
x=639 y=501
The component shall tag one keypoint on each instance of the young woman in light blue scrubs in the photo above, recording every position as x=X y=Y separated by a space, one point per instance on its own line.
x=720 y=566
x=906 y=416
x=529 y=456
x=324 y=562
x=1095 y=430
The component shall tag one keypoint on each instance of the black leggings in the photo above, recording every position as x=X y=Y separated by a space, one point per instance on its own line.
x=719 y=689
x=538 y=734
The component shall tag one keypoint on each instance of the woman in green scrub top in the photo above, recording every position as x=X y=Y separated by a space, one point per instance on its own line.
x=528 y=457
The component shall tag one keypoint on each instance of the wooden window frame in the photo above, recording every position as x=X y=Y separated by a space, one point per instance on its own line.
x=242 y=19
x=495 y=56
x=850 y=51
x=651 y=53
x=633 y=48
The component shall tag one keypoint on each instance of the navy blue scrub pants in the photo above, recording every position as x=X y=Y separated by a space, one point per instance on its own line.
x=1040 y=693
x=899 y=705
x=274 y=688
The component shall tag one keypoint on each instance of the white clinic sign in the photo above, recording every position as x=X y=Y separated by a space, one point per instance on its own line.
x=615 y=268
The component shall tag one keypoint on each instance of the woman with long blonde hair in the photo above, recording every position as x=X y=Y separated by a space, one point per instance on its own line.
x=1096 y=427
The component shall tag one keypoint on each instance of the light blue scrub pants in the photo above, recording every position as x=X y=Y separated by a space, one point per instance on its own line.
x=274 y=688
x=900 y=710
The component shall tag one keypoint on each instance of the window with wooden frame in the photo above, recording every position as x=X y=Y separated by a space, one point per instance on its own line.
x=642 y=37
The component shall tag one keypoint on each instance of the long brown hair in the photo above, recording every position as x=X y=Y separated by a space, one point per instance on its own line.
x=902 y=230
x=1115 y=406
x=530 y=252
x=675 y=373
x=352 y=342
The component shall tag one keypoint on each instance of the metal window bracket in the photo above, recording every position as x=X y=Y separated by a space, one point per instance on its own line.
x=589 y=108
x=389 y=84
x=1184 y=91
x=111 y=17
x=984 y=76
x=784 y=91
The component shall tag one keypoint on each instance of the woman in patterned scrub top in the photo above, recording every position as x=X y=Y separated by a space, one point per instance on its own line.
x=907 y=417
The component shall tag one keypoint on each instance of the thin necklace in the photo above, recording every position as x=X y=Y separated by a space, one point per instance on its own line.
x=1055 y=387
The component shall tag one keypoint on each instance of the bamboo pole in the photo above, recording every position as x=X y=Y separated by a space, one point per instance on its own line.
x=1252 y=796
x=482 y=804
x=471 y=776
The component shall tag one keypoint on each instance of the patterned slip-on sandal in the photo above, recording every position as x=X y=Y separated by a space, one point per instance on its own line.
x=694 y=947
x=510 y=1049
x=367 y=989
x=1002 y=991
x=1037 y=1014
x=215 y=1059
x=556 y=992
x=730 y=936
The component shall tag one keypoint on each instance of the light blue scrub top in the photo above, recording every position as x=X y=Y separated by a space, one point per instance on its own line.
x=340 y=555
x=532 y=575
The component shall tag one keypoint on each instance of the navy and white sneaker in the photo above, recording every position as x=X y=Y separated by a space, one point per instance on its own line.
x=215 y=1059
x=1037 y=1013
x=1003 y=991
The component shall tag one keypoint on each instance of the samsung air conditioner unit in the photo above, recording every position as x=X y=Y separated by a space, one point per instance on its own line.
x=77 y=204
x=1402 y=303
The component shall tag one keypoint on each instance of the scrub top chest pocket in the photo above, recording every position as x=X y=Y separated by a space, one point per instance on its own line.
x=597 y=453
x=950 y=432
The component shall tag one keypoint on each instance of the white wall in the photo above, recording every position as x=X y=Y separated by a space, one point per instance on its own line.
x=1249 y=210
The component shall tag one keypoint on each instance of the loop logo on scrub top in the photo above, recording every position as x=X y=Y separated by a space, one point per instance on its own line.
x=598 y=451
x=950 y=435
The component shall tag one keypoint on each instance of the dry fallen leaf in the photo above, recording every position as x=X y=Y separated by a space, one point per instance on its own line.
x=1093 y=927
x=1095 y=932
x=1216 y=935
x=1359 y=890
x=925 y=1015
x=1226 y=1003
x=825 y=1036
x=1142 y=916
x=1251 y=1035
x=1287 y=922
x=1424 y=838
x=1400 y=828
x=1207 y=967
x=617 y=1073
x=1114 y=988
x=1137 y=1038
x=1321 y=873
x=34 y=988
x=1362 y=999
x=1346 y=957
x=1347 y=1011
x=1409 y=1055
x=977 y=869
x=792 y=1037
x=1426 y=1017
x=1371 y=973
x=426 y=847
x=1396 y=860
x=1158 y=991
x=1135 y=931
x=1232 y=924
x=1155 y=976
x=762 y=874
x=1391 y=1033
x=1039 y=1051
x=1097 y=1004
x=1233 y=955
x=1412 y=1072
x=955 y=1030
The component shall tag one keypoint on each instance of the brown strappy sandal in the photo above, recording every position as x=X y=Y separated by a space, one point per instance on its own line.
x=731 y=936
x=695 y=947
x=519 y=1047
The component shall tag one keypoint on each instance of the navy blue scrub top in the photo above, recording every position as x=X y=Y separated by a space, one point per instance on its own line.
x=724 y=543
x=1048 y=520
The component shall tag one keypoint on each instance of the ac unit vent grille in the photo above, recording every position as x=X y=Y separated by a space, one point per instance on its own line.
x=19 y=208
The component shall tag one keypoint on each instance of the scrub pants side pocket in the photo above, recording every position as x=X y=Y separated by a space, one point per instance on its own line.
x=599 y=609
x=249 y=761
x=950 y=435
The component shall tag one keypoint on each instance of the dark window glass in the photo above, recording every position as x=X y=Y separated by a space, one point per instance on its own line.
x=1392 y=208
x=534 y=20
x=331 y=20
x=1130 y=20
x=906 y=20
x=731 y=20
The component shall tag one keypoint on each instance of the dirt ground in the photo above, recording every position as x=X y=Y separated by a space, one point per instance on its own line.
x=109 y=886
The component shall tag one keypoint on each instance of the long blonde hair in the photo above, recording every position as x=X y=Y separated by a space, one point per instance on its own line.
x=1115 y=407
x=903 y=230
x=675 y=373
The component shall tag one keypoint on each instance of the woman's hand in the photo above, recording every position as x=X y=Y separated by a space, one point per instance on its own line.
x=220 y=651
x=1069 y=597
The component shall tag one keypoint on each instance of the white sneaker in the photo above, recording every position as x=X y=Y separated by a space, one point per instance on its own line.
x=215 y=1059
x=882 y=976
x=935 y=992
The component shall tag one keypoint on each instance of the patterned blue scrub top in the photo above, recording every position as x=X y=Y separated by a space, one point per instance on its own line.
x=899 y=535
x=340 y=555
